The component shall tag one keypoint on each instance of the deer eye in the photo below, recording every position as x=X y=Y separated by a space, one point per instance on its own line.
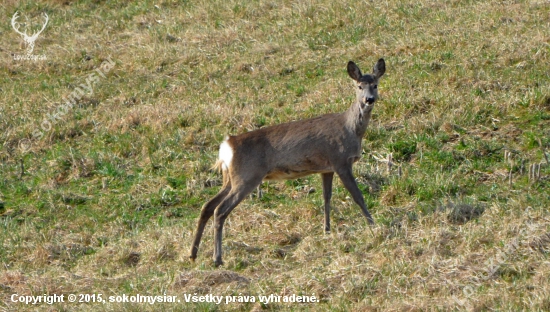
x=360 y=87
x=375 y=87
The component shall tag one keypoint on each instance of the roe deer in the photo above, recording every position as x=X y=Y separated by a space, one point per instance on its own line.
x=326 y=144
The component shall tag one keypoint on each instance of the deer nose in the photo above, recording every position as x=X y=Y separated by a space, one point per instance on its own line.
x=369 y=100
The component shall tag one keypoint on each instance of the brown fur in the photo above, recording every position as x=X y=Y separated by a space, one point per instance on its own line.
x=326 y=144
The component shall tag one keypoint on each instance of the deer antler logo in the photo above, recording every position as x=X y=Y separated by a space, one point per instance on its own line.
x=29 y=40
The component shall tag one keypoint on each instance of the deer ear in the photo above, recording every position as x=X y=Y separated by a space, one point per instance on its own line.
x=379 y=68
x=353 y=71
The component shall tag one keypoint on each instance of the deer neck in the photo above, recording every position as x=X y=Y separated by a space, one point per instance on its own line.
x=357 y=119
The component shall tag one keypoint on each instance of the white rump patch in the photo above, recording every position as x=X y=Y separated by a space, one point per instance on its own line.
x=226 y=154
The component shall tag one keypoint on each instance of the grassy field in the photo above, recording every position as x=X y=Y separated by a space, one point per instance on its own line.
x=107 y=145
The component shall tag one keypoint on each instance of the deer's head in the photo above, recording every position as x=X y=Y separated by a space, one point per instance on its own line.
x=367 y=85
x=29 y=40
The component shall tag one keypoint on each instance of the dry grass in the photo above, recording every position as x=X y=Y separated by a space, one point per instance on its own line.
x=106 y=201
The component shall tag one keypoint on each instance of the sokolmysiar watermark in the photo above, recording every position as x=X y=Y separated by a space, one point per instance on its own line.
x=68 y=102
x=492 y=265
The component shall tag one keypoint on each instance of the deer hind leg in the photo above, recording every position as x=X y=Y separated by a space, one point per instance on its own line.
x=327 y=194
x=347 y=178
x=238 y=192
x=207 y=212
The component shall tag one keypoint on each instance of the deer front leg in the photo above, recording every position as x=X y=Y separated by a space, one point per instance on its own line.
x=327 y=194
x=347 y=178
